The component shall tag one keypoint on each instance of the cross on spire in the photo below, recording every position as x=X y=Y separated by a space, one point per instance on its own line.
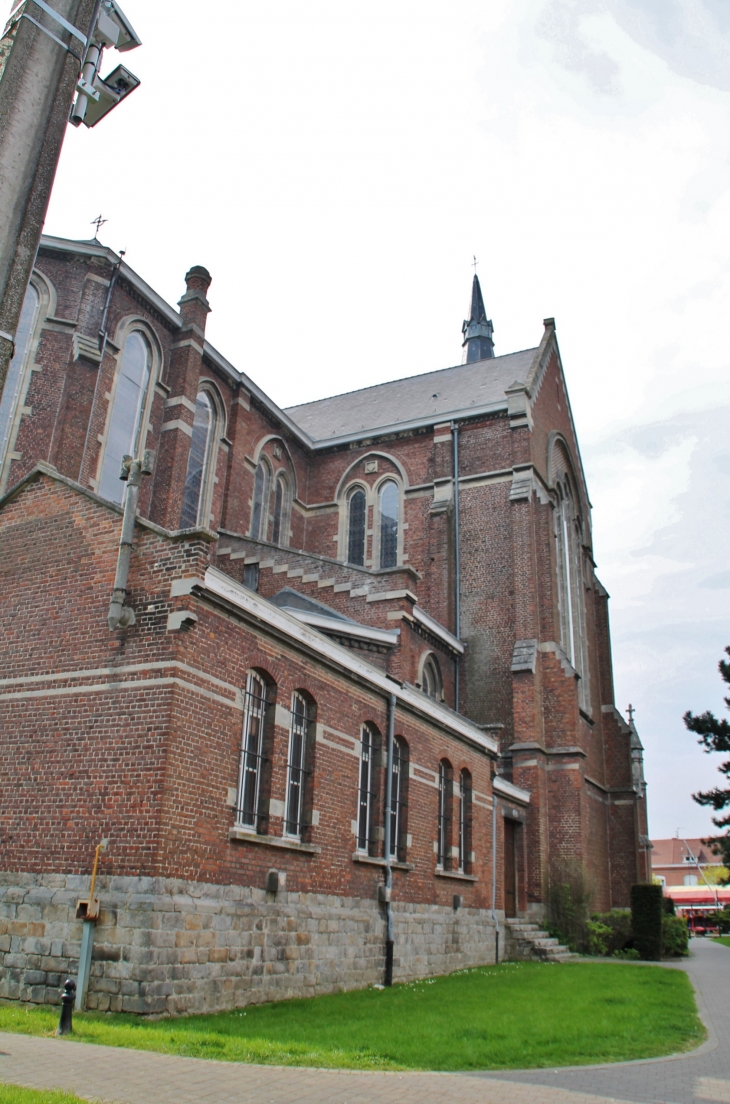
x=474 y=263
x=630 y=710
x=98 y=222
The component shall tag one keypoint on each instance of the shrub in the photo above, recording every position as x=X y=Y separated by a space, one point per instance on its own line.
x=675 y=937
x=630 y=952
x=618 y=921
x=568 y=900
x=646 y=919
x=723 y=919
x=598 y=936
x=668 y=906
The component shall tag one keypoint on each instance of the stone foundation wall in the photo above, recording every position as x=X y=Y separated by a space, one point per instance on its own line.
x=168 y=946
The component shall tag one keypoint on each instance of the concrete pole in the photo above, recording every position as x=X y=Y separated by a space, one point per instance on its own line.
x=37 y=84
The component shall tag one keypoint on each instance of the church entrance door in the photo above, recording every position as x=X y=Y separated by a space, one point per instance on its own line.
x=510 y=868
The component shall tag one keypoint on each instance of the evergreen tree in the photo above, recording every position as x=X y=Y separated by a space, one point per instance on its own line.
x=714 y=735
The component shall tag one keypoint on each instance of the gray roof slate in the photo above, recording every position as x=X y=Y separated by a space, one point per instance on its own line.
x=431 y=396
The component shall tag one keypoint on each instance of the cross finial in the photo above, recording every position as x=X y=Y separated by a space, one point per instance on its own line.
x=630 y=710
x=98 y=222
x=474 y=263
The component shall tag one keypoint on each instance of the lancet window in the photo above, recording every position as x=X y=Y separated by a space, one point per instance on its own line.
x=16 y=371
x=356 y=518
x=126 y=415
x=200 y=457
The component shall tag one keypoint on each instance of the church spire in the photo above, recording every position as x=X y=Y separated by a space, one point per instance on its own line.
x=477 y=329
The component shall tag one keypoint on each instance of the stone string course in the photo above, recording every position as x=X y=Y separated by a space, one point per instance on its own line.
x=169 y=946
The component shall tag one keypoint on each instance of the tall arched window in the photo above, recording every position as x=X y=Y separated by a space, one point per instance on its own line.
x=280 y=525
x=446 y=801
x=388 y=510
x=250 y=774
x=571 y=604
x=261 y=489
x=465 y=822
x=16 y=371
x=126 y=414
x=399 y=800
x=431 y=681
x=356 y=515
x=369 y=744
x=298 y=766
x=194 y=494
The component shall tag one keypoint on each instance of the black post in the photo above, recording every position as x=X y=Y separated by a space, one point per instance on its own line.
x=65 y=1024
x=389 y=962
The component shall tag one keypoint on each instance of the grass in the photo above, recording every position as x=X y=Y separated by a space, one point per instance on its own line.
x=12 y=1094
x=511 y=1016
x=724 y=939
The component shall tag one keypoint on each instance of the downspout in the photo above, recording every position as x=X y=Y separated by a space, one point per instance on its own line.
x=457 y=561
x=388 y=825
x=494 y=873
x=121 y=616
x=103 y=336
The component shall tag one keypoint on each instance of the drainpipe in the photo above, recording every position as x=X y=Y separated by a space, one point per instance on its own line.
x=457 y=560
x=388 y=823
x=494 y=873
x=103 y=336
x=121 y=616
x=88 y=911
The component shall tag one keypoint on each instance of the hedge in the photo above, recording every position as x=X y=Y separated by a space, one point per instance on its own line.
x=646 y=919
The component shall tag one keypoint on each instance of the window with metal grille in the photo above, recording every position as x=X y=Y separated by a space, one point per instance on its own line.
x=260 y=510
x=194 y=495
x=399 y=800
x=281 y=511
x=127 y=411
x=369 y=744
x=251 y=770
x=356 y=511
x=465 y=822
x=389 y=509
x=446 y=794
x=297 y=768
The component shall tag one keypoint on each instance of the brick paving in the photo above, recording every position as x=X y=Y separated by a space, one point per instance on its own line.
x=122 y=1076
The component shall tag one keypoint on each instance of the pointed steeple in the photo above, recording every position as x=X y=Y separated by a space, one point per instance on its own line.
x=477 y=329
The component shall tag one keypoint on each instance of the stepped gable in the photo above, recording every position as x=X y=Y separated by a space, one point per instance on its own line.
x=430 y=396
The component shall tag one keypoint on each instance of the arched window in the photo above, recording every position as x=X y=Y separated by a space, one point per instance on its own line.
x=571 y=605
x=369 y=744
x=279 y=531
x=465 y=822
x=299 y=767
x=388 y=509
x=261 y=489
x=251 y=770
x=446 y=801
x=16 y=370
x=356 y=513
x=194 y=494
x=126 y=414
x=399 y=800
x=431 y=681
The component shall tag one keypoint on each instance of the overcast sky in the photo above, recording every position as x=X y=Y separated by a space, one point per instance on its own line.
x=336 y=165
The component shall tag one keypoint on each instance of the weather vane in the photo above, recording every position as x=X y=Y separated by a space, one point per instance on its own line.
x=630 y=710
x=98 y=222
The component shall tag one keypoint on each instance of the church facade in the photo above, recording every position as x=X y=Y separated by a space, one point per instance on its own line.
x=341 y=700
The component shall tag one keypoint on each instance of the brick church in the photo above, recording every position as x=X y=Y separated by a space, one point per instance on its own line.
x=339 y=694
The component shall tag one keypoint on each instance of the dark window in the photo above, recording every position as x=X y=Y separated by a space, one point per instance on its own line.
x=260 y=513
x=251 y=576
x=126 y=415
x=388 y=501
x=465 y=822
x=281 y=503
x=251 y=771
x=356 y=509
x=195 y=478
x=446 y=797
x=369 y=744
x=399 y=800
x=298 y=771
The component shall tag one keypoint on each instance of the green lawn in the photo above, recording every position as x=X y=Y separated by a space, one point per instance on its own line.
x=11 y=1094
x=724 y=939
x=510 y=1016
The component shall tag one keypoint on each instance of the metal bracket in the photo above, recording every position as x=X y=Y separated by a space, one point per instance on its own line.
x=58 y=18
x=54 y=15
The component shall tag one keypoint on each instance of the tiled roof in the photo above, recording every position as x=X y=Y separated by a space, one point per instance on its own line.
x=433 y=396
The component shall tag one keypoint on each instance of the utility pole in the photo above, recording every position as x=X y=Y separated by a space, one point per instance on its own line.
x=49 y=56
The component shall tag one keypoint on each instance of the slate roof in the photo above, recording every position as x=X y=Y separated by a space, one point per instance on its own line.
x=433 y=396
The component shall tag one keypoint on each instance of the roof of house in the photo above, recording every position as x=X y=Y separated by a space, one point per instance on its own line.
x=430 y=396
x=671 y=852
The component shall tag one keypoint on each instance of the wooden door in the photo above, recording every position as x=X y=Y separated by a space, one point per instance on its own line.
x=510 y=868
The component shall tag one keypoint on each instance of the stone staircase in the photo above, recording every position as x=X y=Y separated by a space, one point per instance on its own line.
x=528 y=941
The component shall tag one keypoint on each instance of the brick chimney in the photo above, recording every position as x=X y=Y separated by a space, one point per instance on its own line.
x=186 y=365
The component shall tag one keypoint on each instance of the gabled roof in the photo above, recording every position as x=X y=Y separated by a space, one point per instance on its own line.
x=433 y=396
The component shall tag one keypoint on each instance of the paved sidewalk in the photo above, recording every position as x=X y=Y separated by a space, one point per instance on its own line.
x=140 y=1077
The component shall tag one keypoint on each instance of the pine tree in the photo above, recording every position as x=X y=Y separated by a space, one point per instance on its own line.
x=714 y=735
